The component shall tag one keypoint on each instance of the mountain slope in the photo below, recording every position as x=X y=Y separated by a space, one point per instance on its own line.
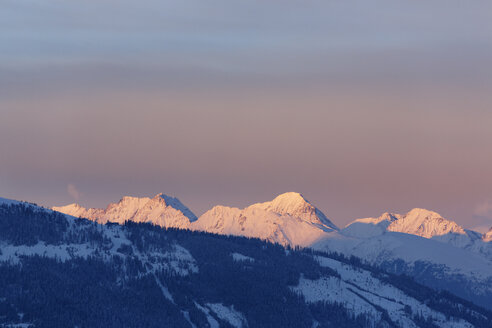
x=61 y=271
x=422 y=223
x=289 y=219
x=420 y=243
x=161 y=210
x=429 y=247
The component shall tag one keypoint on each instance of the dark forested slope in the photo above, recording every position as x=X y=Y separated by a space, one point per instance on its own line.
x=59 y=271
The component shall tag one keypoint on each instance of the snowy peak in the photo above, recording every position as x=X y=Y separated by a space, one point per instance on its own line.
x=295 y=205
x=422 y=214
x=176 y=204
x=289 y=219
x=419 y=222
x=162 y=210
x=424 y=223
x=487 y=237
x=286 y=203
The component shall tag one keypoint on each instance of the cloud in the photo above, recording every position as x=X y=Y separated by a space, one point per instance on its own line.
x=73 y=191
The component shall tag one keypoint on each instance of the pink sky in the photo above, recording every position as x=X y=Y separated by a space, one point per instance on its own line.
x=363 y=108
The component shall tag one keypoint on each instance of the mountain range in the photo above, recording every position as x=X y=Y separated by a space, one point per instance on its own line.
x=420 y=243
x=57 y=270
x=289 y=219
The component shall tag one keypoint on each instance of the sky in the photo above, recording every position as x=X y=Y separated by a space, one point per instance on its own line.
x=362 y=106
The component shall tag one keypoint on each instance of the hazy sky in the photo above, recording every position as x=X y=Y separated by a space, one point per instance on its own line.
x=362 y=106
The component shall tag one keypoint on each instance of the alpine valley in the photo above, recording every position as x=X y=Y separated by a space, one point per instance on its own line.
x=151 y=262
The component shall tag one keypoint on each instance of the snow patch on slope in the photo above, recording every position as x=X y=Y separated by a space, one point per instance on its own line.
x=164 y=290
x=12 y=254
x=410 y=248
x=177 y=259
x=211 y=320
x=361 y=293
x=241 y=258
x=229 y=314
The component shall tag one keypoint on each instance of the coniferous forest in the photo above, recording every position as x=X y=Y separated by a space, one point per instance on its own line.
x=58 y=271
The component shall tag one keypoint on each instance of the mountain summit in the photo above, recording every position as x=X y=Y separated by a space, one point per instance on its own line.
x=162 y=210
x=289 y=219
x=294 y=204
x=419 y=222
x=425 y=223
x=422 y=223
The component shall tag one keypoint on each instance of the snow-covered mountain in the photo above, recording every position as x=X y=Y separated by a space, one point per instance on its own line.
x=422 y=223
x=136 y=275
x=419 y=222
x=420 y=243
x=419 y=235
x=289 y=219
x=296 y=205
x=161 y=210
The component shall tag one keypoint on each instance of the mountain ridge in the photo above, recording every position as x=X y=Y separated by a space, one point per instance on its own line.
x=278 y=219
x=418 y=221
x=289 y=219
x=402 y=252
x=136 y=274
x=162 y=210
